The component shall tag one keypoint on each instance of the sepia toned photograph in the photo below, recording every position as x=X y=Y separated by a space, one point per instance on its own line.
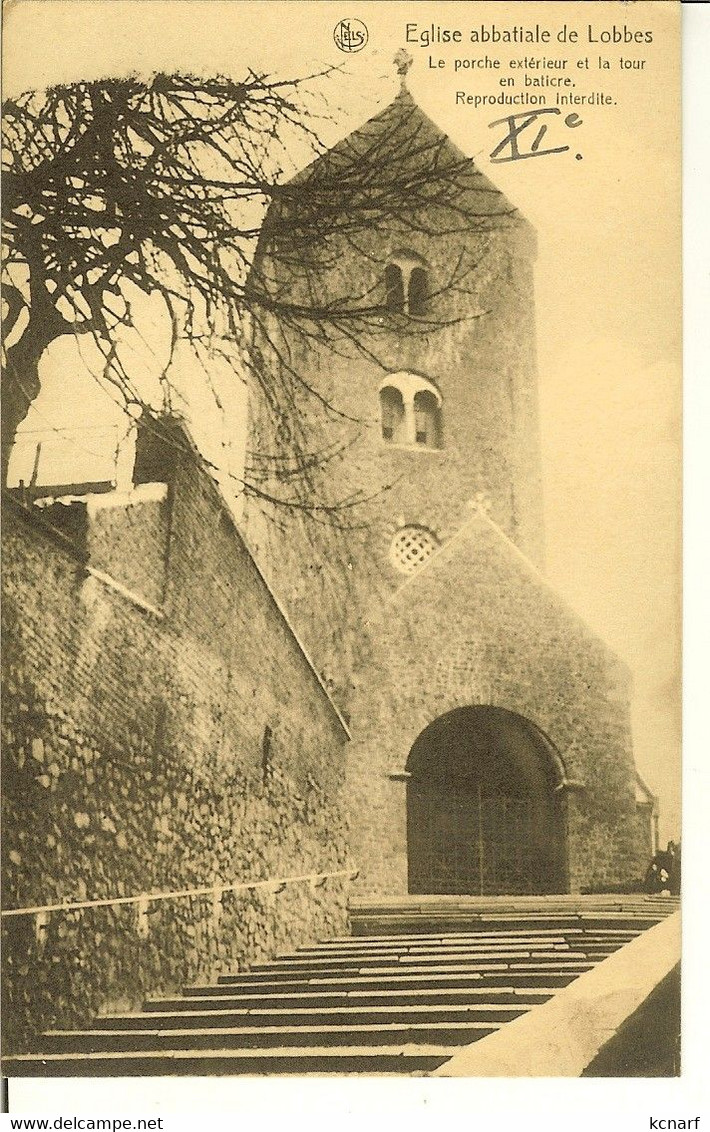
x=341 y=539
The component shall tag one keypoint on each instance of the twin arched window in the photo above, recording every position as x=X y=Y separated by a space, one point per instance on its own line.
x=410 y=411
x=407 y=285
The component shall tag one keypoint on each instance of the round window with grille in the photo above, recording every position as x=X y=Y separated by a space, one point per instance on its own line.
x=410 y=547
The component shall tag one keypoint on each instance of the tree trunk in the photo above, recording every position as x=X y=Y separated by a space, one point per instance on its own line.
x=20 y=386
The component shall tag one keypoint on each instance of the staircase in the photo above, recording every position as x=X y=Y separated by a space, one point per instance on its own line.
x=418 y=978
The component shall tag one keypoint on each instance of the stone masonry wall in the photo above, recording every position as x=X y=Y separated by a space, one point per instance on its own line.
x=153 y=749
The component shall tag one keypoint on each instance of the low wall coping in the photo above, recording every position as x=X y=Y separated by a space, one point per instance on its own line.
x=561 y=1037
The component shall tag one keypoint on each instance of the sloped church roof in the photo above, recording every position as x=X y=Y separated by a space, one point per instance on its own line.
x=477 y=565
x=398 y=152
x=402 y=133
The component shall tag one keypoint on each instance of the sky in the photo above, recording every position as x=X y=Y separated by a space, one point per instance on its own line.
x=607 y=287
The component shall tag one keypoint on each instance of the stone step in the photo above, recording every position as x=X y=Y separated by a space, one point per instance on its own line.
x=483 y=1005
x=446 y=972
x=281 y=979
x=485 y=960
x=412 y=924
x=187 y=1063
x=461 y=975
x=518 y=912
x=474 y=968
x=513 y=918
x=409 y=956
x=446 y=944
x=391 y=972
x=380 y=1034
x=517 y=935
x=365 y=997
x=471 y=946
x=387 y=955
x=605 y=901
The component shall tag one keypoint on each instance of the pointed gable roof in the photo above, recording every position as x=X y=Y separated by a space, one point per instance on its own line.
x=481 y=564
x=397 y=170
x=401 y=137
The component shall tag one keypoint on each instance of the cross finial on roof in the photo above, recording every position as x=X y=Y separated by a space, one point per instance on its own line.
x=404 y=61
x=481 y=503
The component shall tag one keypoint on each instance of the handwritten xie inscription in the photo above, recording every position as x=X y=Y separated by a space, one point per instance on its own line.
x=525 y=135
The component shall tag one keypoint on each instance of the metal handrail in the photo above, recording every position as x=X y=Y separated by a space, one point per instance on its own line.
x=148 y=897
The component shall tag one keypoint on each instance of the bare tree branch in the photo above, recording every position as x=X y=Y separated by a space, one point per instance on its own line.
x=182 y=186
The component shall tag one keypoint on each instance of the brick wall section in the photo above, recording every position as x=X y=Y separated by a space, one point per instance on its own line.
x=511 y=642
x=130 y=543
x=134 y=761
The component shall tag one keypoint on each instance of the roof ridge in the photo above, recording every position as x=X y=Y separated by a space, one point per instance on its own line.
x=526 y=561
x=406 y=103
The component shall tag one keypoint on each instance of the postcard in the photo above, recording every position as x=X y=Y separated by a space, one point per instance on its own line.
x=341 y=540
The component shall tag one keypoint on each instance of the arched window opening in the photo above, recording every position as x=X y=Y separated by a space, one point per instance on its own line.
x=407 y=284
x=426 y=419
x=410 y=411
x=394 y=284
x=417 y=292
x=392 y=414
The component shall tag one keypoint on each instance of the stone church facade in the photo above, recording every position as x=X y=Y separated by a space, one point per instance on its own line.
x=491 y=744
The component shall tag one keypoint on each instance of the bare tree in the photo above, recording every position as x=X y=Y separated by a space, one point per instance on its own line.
x=179 y=185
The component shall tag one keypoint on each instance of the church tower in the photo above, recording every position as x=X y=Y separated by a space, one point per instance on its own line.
x=425 y=386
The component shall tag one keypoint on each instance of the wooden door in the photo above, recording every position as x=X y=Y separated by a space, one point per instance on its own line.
x=464 y=842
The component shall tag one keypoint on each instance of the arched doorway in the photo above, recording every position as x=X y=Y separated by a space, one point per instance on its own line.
x=483 y=812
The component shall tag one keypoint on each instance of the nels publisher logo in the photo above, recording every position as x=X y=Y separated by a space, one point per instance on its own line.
x=350 y=35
